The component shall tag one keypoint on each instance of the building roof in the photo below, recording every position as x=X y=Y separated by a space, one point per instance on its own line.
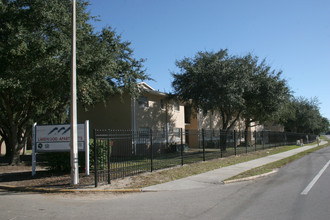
x=144 y=87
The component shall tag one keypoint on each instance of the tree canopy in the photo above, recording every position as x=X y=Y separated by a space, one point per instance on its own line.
x=305 y=117
x=267 y=94
x=35 y=56
x=234 y=86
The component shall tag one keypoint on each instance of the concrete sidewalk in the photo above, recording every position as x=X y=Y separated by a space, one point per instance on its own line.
x=218 y=175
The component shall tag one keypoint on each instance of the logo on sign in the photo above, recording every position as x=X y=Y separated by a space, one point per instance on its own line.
x=56 y=130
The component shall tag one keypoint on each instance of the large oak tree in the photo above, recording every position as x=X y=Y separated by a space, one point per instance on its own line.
x=236 y=87
x=35 y=51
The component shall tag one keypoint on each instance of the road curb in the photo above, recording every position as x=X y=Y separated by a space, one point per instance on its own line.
x=250 y=177
x=271 y=172
x=53 y=190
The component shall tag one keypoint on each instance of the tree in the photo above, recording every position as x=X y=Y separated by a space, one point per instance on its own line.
x=267 y=94
x=306 y=117
x=35 y=51
x=236 y=87
x=213 y=82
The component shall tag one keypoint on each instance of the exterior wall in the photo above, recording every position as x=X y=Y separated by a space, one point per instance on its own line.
x=115 y=114
x=153 y=116
x=127 y=113
x=192 y=129
x=160 y=116
x=211 y=120
x=177 y=117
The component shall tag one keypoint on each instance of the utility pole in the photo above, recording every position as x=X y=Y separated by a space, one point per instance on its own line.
x=73 y=112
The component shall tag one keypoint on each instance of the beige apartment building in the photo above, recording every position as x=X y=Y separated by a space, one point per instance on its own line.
x=151 y=110
x=211 y=123
x=154 y=110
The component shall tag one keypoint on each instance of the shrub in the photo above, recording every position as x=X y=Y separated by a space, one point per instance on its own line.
x=60 y=161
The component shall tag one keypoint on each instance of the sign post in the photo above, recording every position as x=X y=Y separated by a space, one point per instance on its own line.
x=87 y=148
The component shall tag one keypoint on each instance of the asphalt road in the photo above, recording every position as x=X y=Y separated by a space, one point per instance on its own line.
x=275 y=197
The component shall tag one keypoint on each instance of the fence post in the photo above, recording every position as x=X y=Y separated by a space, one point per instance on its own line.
x=263 y=140
x=246 y=141
x=235 y=144
x=95 y=159
x=220 y=143
x=109 y=154
x=151 y=152
x=181 y=135
x=203 y=143
x=255 y=140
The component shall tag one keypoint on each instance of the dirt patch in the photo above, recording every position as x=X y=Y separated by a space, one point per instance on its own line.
x=22 y=176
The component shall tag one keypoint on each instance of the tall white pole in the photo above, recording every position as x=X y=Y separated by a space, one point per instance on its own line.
x=134 y=125
x=73 y=112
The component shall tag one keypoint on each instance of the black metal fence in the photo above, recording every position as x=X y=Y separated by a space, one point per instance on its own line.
x=121 y=153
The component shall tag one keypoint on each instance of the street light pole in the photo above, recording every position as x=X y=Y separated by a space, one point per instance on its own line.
x=73 y=112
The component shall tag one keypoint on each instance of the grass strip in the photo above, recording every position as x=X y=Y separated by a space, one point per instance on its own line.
x=178 y=172
x=275 y=165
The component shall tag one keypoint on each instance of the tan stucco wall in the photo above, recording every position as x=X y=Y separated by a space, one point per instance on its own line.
x=178 y=116
x=155 y=117
x=116 y=114
x=209 y=121
x=152 y=116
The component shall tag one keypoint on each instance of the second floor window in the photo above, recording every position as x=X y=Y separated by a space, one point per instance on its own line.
x=143 y=102
x=162 y=105
x=176 y=106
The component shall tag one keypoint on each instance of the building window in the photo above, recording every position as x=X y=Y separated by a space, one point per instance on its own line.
x=143 y=102
x=162 y=105
x=176 y=106
x=176 y=132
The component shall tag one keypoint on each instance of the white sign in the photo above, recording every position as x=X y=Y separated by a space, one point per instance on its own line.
x=56 y=138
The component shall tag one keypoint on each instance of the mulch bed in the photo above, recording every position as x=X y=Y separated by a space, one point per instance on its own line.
x=22 y=176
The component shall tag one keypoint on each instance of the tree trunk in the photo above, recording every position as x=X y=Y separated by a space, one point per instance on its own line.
x=15 y=159
x=13 y=145
x=16 y=142
x=8 y=150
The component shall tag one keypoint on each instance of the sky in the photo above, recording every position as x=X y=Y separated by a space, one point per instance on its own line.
x=292 y=35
